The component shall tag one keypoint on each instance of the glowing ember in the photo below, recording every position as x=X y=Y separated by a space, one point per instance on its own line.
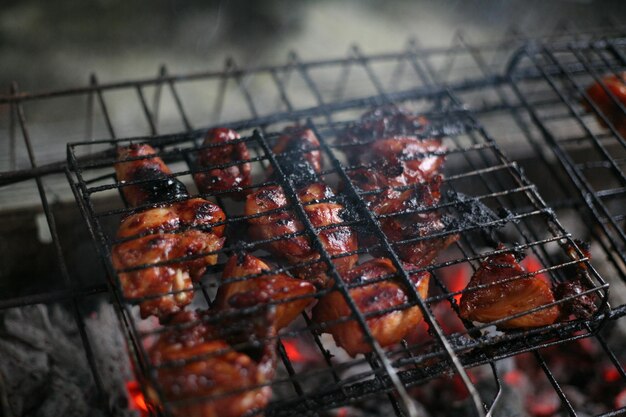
x=342 y=412
x=456 y=278
x=611 y=374
x=514 y=378
x=137 y=400
x=292 y=351
x=532 y=264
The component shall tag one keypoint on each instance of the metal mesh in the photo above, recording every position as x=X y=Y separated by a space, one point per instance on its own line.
x=475 y=168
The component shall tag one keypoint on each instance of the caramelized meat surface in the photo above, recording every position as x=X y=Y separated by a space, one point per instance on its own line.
x=503 y=299
x=156 y=183
x=201 y=363
x=409 y=215
x=297 y=151
x=223 y=151
x=380 y=123
x=276 y=287
x=616 y=85
x=371 y=297
x=336 y=240
x=182 y=230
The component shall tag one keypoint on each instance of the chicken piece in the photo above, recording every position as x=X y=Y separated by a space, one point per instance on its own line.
x=199 y=364
x=231 y=178
x=388 y=328
x=380 y=123
x=336 y=240
x=404 y=223
x=398 y=162
x=157 y=183
x=504 y=299
x=182 y=230
x=297 y=152
x=616 y=85
x=277 y=287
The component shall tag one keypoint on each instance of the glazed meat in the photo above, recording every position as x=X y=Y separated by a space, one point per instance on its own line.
x=388 y=328
x=409 y=215
x=297 y=152
x=608 y=104
x=156 y=183
x=398 y=162
x=503 y=299
x=277 y=288
x=221 y=151
x=185 y=229
x=380 y=123
x=336 y=240
x=199 y=362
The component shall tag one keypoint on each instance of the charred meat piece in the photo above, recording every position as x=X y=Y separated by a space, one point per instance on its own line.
x=616 y=85
x=400 y=161
x=380 y=123
x=181 y=230
x=583 y=306
x=409 y=215
x=336 y=240
x=232 y=177
x=277 y=288
x=504 y=299
x=298 y=153
x=199 y=363
x=157 y=185
x=371 y=297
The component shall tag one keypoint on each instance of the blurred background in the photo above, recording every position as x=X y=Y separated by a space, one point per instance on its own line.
x=50 y=44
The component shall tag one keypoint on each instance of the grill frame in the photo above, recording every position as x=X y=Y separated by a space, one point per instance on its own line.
x=16 y=99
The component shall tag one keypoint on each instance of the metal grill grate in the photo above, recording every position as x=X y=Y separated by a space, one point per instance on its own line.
x=475 y=167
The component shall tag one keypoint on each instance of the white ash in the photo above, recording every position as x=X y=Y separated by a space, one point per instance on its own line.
x=44 y=370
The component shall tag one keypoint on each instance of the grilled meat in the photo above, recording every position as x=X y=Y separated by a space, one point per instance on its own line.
x=197 y=362
x=503 y=299
x=181 y=230
x=607 y=104
x=297 y=152
x=371 y=297
x=232 y=177
x=277 y=287
x=336 y=240
x=380 y=123
x=410 y=214
x=156 y=183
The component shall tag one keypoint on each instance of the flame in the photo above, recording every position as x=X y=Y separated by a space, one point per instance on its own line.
x=456 y=278
x=342 y=412
x=292 y=351
x=137 y=400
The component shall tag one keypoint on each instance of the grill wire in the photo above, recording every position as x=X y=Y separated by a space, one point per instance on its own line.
x=481 y=172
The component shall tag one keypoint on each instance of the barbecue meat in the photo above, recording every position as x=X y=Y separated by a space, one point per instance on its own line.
x=297 y=152
x=410 y=214
x=277 y=288
x=199 y=363
x=388 y=328
x=398 y=162
x=157 y=183
x=503 y=299
x=380 y=123
x=233 y=177
x=336 y=240
x=181 y=230
x=616 y=85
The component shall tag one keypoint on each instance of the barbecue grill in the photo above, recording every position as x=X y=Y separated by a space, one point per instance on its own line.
x=470 y=94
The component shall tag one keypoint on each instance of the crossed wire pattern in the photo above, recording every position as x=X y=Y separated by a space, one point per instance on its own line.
x=488 y=179
x=475 y=169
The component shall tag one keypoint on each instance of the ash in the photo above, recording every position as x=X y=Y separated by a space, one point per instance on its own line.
x=44 y=370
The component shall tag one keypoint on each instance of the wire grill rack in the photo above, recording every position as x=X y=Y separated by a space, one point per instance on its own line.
x=562 y=75
x=476 y=167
